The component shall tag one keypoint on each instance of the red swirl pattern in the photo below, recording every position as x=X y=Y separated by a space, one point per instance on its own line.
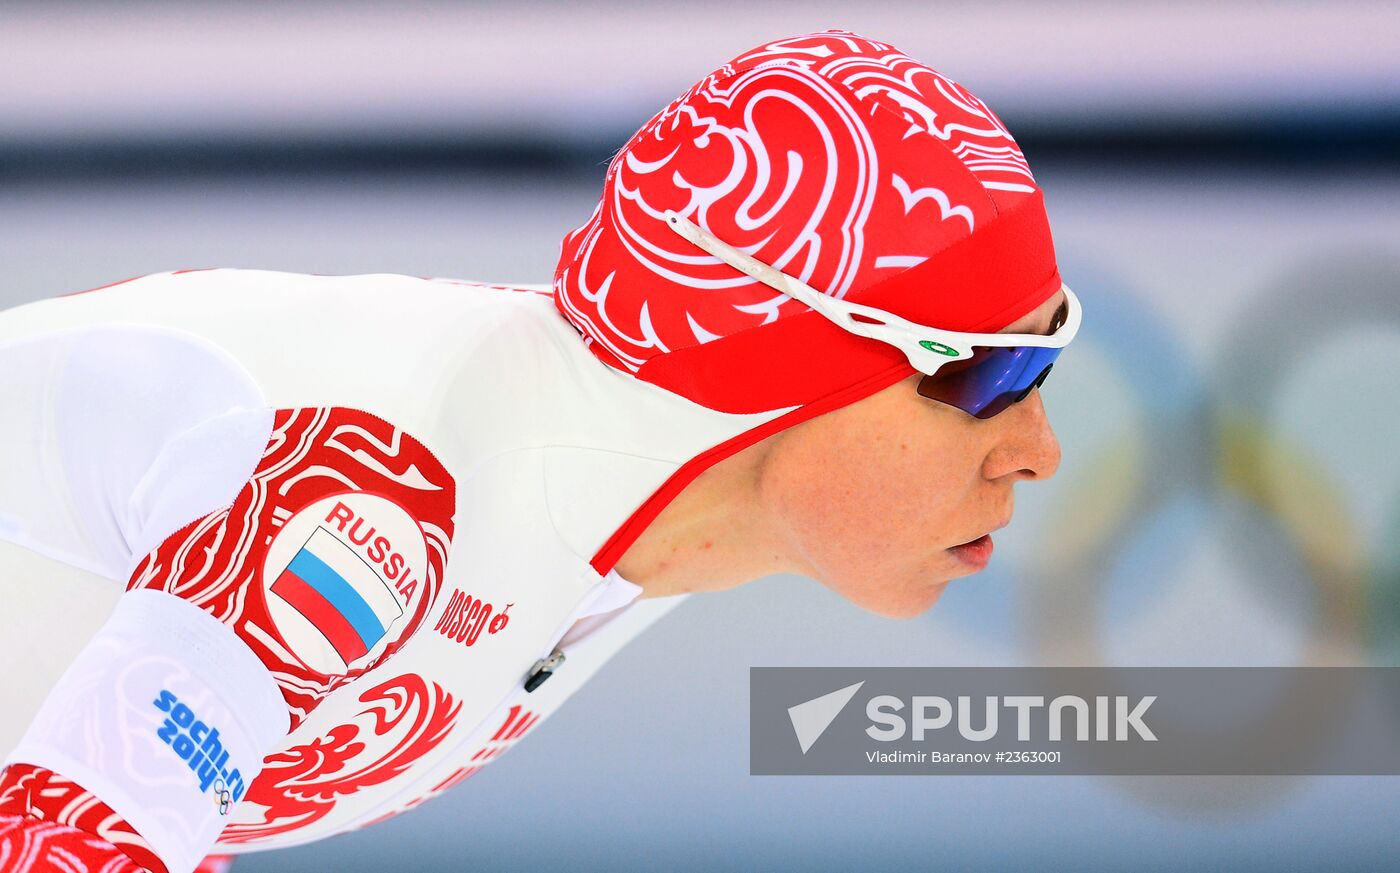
x=215 y=562
x=32 y=846
x=37 y=845
x=517 y=723
x=42 y=797
x=407 y=717
x=834 y=157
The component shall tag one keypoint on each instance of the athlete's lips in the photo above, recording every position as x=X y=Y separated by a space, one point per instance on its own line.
x=986 y=532
x=977 y=552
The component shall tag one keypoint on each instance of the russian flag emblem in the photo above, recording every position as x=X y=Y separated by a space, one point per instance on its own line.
x=341 y=595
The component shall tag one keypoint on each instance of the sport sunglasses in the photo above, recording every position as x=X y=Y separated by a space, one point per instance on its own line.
x=980 y=373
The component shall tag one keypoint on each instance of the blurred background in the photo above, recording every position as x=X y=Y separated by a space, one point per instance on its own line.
x=1223 y=184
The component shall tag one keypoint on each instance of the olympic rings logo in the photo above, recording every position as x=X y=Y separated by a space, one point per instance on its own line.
x=1211 y=442
x=223 y=798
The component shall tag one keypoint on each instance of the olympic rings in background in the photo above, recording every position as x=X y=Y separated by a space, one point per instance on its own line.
x=1210 y=444
x=1316 y=305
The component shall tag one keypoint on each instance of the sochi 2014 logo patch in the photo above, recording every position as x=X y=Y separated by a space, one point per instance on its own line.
x=342 y=575
x=202 y=749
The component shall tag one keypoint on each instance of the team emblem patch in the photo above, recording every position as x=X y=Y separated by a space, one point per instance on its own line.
x=330 y=557
x=341 y=575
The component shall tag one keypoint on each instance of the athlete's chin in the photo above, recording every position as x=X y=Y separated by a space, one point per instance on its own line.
x=908 y=604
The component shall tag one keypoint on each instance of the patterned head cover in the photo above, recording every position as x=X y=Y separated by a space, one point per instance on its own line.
x=840 y=161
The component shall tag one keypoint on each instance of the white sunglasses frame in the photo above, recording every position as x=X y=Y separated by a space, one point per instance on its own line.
x=927 y=348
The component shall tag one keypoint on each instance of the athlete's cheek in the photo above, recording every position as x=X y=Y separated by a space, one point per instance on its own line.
x=929 y=486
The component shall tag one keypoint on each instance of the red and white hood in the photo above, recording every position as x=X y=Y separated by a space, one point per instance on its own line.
x=835 y=158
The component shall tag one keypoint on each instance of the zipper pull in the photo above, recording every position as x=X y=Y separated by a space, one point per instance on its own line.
x=543 y=669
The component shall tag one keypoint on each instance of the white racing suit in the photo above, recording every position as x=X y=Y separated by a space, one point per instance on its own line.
x=333 y=533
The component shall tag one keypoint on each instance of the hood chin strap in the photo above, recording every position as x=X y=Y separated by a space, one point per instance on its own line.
x=626 y=534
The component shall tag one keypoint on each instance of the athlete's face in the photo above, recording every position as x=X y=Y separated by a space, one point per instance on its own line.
x=870 y=498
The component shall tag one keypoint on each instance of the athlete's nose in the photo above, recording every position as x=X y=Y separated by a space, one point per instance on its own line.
x=1027 y=448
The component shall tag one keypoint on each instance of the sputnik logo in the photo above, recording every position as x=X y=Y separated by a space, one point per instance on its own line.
x=811 y=719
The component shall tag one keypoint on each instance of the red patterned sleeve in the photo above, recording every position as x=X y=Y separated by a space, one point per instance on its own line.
x=30 y=846
x=240 y=622
x=49 y=823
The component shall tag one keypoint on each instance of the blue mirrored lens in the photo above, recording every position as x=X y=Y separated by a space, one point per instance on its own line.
x=991 y=380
